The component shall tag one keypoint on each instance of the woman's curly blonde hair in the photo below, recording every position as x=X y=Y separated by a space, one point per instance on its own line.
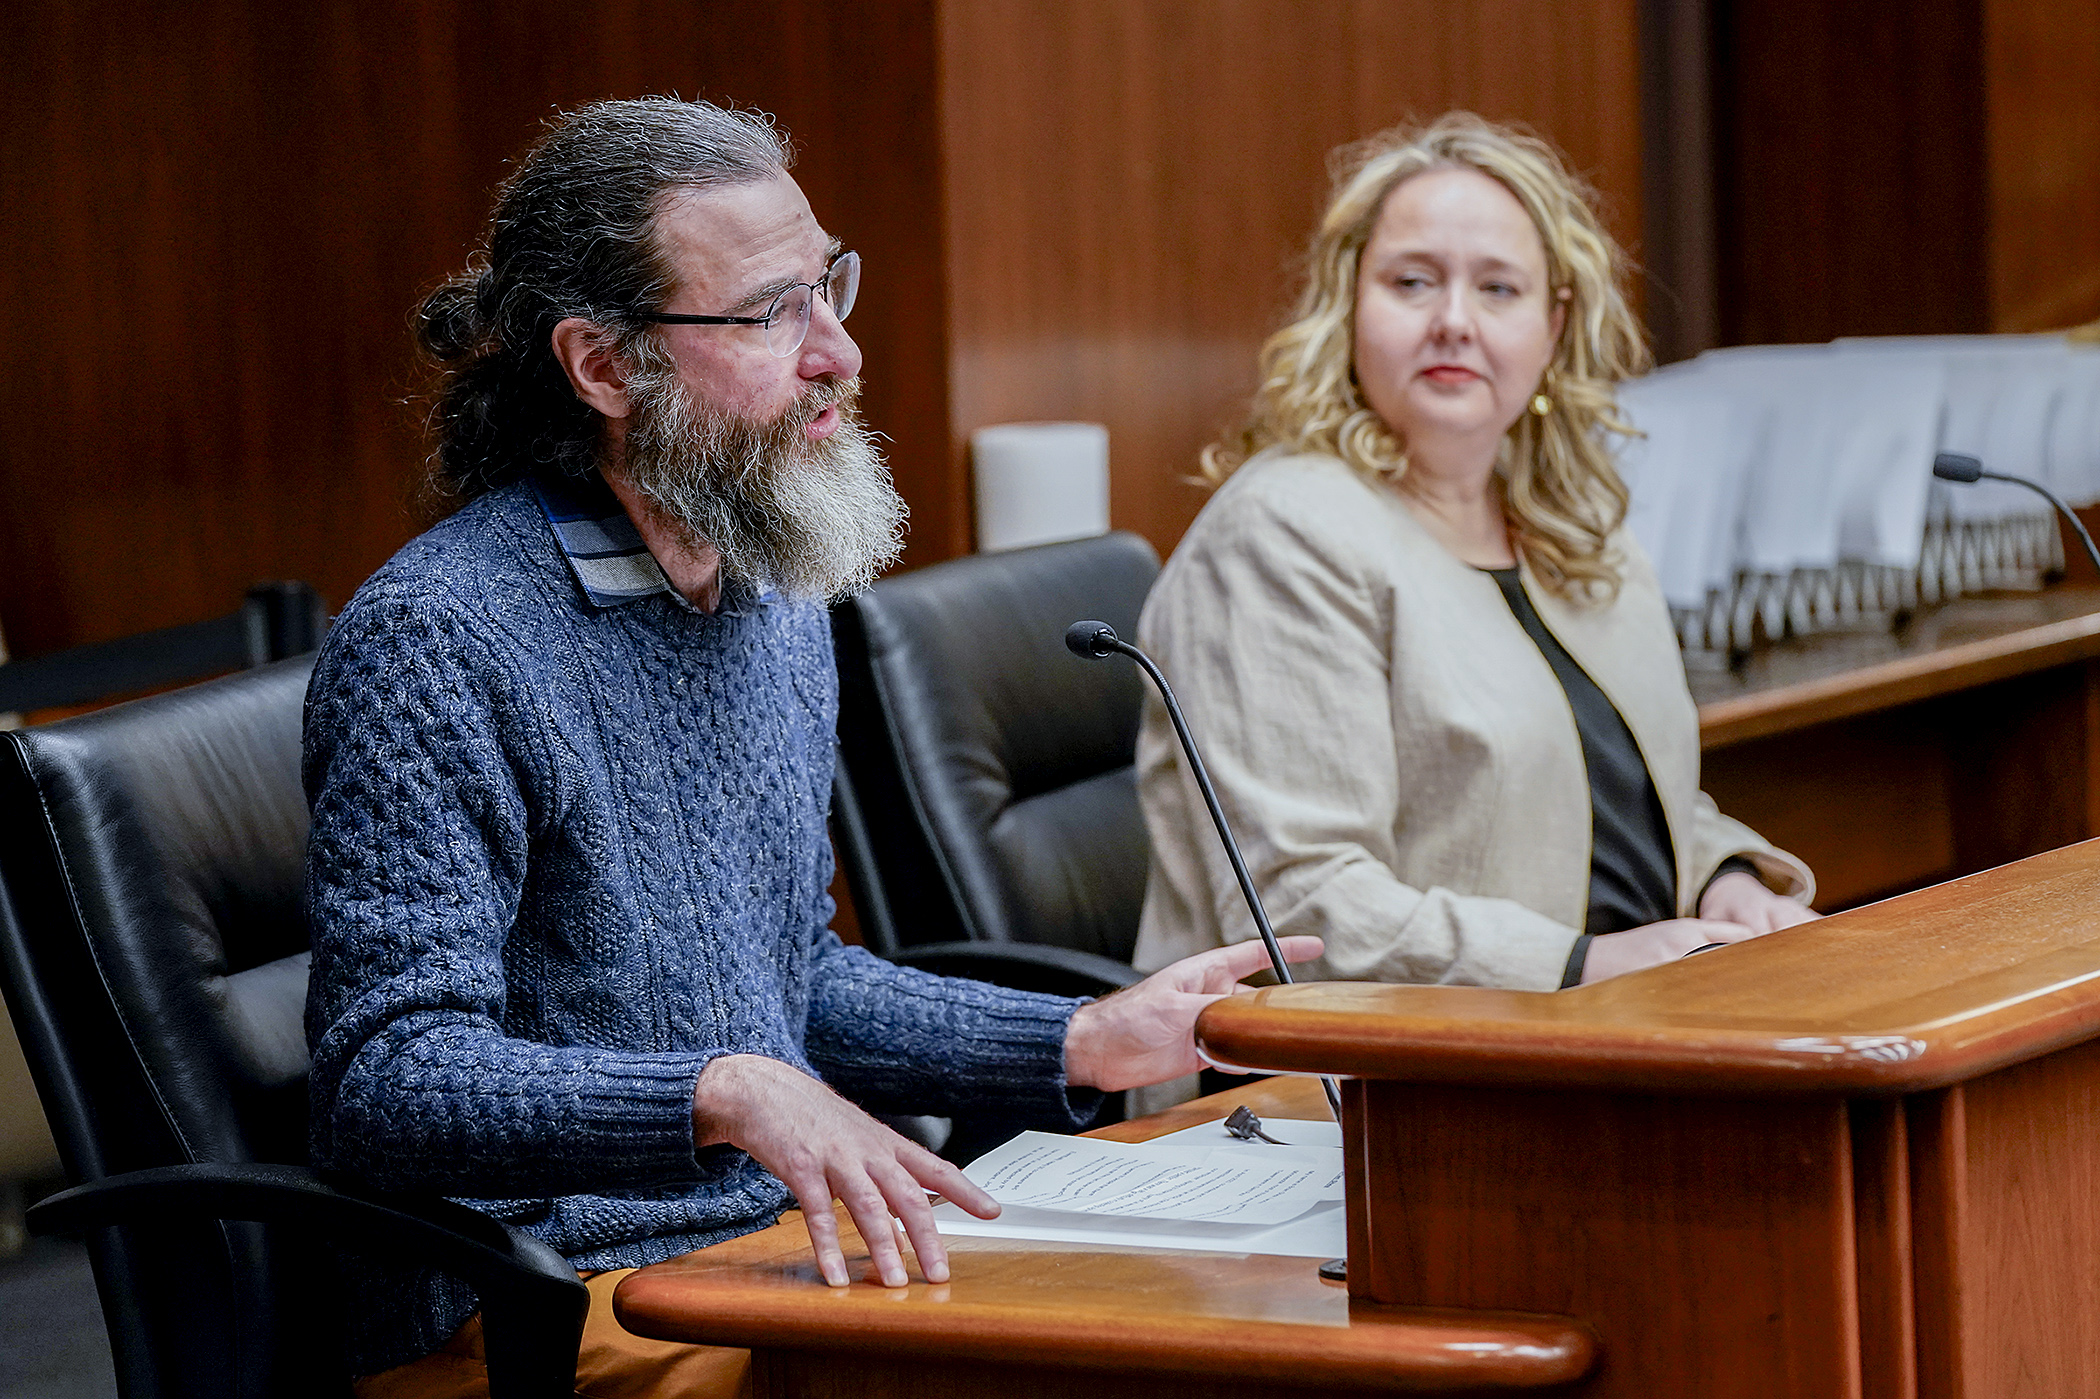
x=1562 y=493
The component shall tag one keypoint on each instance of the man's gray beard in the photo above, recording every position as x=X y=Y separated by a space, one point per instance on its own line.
x=815 y=520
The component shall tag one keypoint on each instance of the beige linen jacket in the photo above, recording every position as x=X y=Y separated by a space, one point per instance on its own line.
x=1400 y=763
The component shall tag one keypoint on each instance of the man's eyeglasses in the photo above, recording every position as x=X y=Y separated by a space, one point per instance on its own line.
x=787 y=319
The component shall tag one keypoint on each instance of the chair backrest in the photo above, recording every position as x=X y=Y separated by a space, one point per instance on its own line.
x=277 y=621
x=154 y=954
x=994 y=768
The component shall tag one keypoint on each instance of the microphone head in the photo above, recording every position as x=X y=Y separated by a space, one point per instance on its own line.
x=1085 y=639
x=1957 y=466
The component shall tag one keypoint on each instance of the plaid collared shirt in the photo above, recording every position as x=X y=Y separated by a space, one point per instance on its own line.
x=605 y=551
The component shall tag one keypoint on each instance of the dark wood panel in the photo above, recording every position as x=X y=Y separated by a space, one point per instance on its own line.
x=1707 y=1241
x=1881 y=1210
x=220 y=215
x=2022 y=765
x=1129 y=187
x=1677 y=152
x=1938 y=1142
x=1850 y=190
x=1887 y=170
x=2042 y=76
x=1863 y=802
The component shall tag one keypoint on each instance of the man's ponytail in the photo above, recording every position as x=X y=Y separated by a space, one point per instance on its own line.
x=573 y=235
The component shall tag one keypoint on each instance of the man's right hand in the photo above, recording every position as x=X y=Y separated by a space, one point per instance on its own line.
x=1636 y=949
x=824 y=1148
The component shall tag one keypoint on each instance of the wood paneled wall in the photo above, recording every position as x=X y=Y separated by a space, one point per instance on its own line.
x=1849 y=157
x=1129 y=187
x=1905 y=169
x=219 y=215
x=218 y=218
x=2042 y=80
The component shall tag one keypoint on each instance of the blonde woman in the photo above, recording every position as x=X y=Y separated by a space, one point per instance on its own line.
x=1436 y=682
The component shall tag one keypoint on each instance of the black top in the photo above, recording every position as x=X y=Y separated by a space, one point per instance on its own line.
x=1633 y=865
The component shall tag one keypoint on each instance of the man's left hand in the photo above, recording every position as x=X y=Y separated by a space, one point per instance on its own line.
x=1146 y=1033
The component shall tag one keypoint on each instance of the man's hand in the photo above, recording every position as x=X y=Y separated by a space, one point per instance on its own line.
x=1743 y=898
x=822 y=1147
x=1146 y=1034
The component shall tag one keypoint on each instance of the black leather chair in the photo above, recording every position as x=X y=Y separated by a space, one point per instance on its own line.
x=276 y=621
x=154 y=957
x=987 y=812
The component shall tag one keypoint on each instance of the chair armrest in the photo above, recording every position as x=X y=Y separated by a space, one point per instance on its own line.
x=1023 y=966
x=533 y=1304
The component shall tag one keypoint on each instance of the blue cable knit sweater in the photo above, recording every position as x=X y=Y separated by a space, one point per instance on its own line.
x=562 y=857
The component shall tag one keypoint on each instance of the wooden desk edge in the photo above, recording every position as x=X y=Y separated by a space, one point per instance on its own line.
x=1557 y=1055
x=1385 y=1348
x=1896 y=682
x=1711 y=1026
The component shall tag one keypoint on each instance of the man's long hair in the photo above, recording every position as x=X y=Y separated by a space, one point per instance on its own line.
x=1563 y=494
x=572 y=235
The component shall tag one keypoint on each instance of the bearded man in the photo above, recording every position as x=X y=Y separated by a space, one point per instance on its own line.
x=570 y=753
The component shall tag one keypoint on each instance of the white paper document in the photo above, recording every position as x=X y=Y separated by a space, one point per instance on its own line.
x=1081 y=1175
x=1195 y=1189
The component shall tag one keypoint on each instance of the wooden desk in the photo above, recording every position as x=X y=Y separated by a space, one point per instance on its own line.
x=1888 y=761
x=1857 y=1158
x=1089 y=1323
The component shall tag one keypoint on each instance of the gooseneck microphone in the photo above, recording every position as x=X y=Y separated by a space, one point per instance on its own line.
x=1095 y=641
x=1957 y=466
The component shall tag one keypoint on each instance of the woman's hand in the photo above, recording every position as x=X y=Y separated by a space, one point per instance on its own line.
x=821 y=1147
x=1146 y=1033
x=1743 y=898
x=1637 y=949
x=1734 y=907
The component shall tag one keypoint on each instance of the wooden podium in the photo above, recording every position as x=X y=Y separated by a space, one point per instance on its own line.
x=1854 y=1160
x=1860 y=1157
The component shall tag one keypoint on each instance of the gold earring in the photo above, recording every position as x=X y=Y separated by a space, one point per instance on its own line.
x=1541 y=405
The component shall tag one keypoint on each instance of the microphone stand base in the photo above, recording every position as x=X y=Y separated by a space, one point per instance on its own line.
x=1335 y=1270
